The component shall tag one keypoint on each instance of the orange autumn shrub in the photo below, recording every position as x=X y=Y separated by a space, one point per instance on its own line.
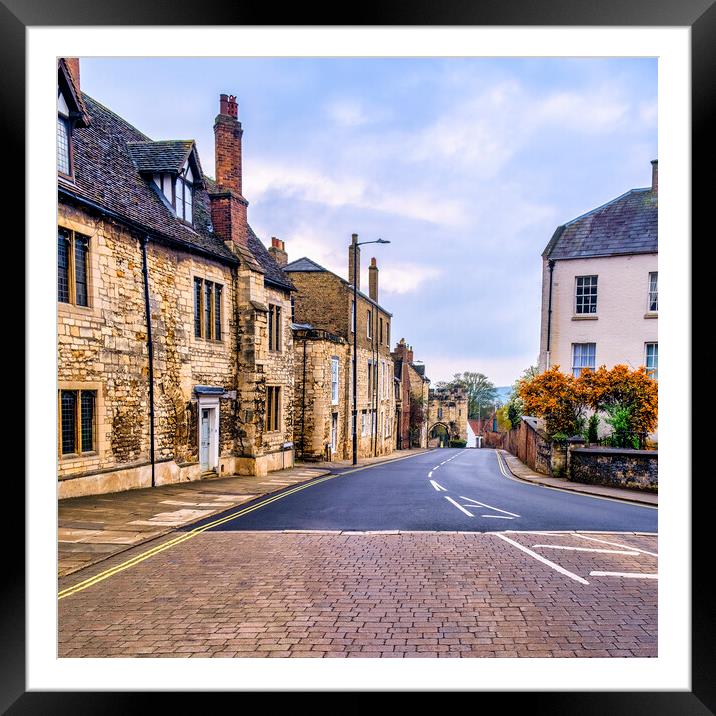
x=634 y=390
x=556 y=397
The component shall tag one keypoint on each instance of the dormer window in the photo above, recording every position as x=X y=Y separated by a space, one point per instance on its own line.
x=64 y=137
x=184 y=194
x=178 y=190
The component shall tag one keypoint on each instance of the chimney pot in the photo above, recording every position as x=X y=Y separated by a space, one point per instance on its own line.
x=278 y=251
x=373 y=280
x=228 y=211
x=353 y=249
x=655 y=176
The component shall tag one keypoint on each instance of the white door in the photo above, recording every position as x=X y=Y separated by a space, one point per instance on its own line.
x=205 y=439
x=334 y=433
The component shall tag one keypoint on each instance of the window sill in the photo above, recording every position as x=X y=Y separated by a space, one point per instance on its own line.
x=651 y=314
x=585 y=317
x=78 y=455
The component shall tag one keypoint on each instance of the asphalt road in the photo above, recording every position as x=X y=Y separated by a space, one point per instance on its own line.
x=447 y=489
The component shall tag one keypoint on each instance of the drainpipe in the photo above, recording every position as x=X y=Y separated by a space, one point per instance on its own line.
x=303 y=403
x=150 y=349
x=549 y=307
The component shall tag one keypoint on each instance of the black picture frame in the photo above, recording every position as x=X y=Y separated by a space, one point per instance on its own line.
x=699 y=15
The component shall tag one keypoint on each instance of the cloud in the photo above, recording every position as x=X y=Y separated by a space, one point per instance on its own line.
x=299 y=182
x=349 y=113
x=406 y=277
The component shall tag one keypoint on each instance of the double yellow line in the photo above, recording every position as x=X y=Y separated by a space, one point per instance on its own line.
x=90 y=581
x=69 y=591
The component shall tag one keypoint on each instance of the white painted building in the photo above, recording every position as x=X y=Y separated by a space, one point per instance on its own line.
x=600 y=286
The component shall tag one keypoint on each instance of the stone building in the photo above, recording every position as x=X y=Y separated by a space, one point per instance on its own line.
x=447 y=408
x=323 y=316
x=413 y=388
x=175 y=349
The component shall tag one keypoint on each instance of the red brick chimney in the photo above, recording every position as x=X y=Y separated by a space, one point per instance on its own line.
x=228 y=206
x=655 y=176
x=373 y=280
x=278 y=251
x=409 y=354
x=354 y=240
x=73 y=65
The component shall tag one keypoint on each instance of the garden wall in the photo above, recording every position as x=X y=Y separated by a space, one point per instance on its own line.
x=636 y=469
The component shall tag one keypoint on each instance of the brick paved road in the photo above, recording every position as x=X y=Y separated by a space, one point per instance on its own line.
x=259 y=594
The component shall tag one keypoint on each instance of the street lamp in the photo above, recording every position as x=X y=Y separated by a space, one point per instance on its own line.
x=356 y=244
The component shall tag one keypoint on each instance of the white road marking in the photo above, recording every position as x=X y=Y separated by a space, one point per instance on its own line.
x=430 y=474
x=627 y=575
x=498 y=517
x=438 y=486
x=459 y=507
x=584 y=549
x=489 y=507
x=542 y=559
x=616 y=544
x=436 y=467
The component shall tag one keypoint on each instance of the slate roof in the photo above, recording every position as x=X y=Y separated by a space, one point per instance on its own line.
x=273 y=273
x=105 y=174
x=306 y=265
x=162 y=156
x=109 y=158
x=626 y=225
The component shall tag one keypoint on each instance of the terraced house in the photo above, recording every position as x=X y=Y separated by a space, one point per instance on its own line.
x=175 y=350
x=324 y=316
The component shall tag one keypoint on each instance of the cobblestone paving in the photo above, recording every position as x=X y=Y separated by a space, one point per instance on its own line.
x=268 y=594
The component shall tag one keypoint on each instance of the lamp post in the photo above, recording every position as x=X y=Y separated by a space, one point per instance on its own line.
x=355 y=246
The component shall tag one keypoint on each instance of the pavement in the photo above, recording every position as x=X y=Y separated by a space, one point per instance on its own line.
x=521 y=471
x=94 y=528
x=408 y=595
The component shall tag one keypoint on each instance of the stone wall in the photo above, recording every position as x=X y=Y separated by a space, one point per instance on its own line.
x=636 y=469
x=103 y=347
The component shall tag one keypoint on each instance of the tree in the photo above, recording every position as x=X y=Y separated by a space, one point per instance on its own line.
x=417 y=419
x=504 y=423
x=481 y=392
x=629 y=397
x=557 y=398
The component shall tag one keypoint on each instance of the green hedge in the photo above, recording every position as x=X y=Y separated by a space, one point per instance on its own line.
x=458 y=443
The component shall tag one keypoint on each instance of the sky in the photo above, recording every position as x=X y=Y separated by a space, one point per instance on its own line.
x=466 y=165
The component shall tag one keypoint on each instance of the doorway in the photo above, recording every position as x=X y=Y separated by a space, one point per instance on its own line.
x=208 y=437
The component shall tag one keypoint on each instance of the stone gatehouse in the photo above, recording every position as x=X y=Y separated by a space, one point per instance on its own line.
x=447 y=410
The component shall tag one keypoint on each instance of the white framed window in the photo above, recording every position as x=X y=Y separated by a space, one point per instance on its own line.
x=653 y=306
x=362 y=424
x=583 y=356
x=369 y=323
x=334 y=380
x=353 y=316
x=652 y=360
x=585 y=300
